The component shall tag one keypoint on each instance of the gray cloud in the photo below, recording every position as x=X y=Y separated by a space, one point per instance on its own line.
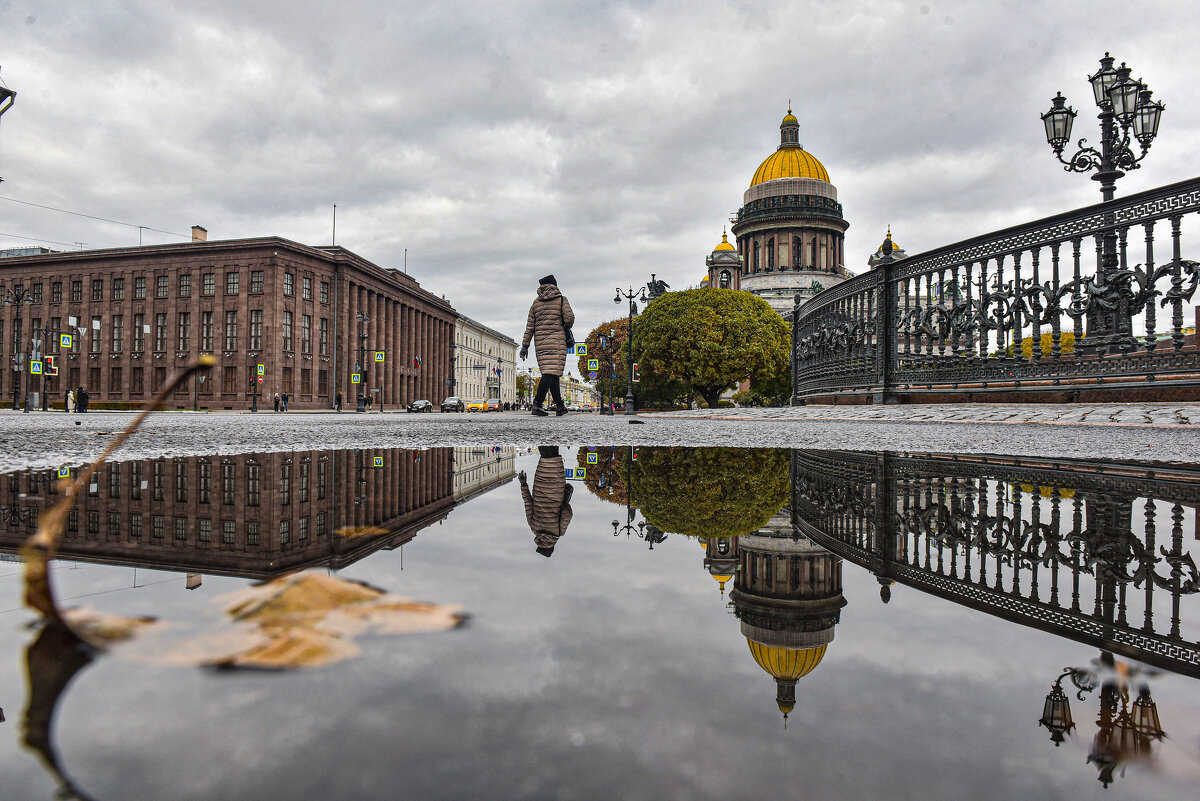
x=600 y=141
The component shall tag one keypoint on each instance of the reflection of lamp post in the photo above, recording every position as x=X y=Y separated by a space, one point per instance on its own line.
x=632 y=297
x=1056 y=713
x=18 y=297
x=361 y=367
x=7 y=98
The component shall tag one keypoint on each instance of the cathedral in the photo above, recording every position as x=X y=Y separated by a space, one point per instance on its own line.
x=789 y=230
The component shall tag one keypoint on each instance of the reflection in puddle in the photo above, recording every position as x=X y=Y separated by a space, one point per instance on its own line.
x=1098 y=554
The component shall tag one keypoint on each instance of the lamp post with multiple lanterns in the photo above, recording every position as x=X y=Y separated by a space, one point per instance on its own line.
x=18 y=297
x=361 y=368
x=633 y=298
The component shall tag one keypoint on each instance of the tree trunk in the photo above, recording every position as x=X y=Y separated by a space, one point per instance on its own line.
x=712 y=396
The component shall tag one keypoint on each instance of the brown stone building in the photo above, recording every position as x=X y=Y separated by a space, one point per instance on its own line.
x=141 y=313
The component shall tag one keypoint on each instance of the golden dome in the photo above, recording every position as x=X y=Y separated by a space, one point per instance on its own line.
x=722 y=580
x=789 y=119
x=790 y=162
x=724 y=243
x=786 y=663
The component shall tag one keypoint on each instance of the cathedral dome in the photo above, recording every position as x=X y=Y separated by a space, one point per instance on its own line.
x=724 y=243
x=791 y=160
x=789 y=664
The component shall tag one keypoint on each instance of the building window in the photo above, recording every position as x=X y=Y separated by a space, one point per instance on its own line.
x=204 y=485
x=156 y=527
x=285 y=484
x=322 y=382
x=77 y=291
x=37 y=293
x=135 y=480
x=324 y=291
x=320 y=525
x=289 y=285
x=252 y=535
x=114 y=480
x=256 y=282
x=205 y=531
x=115 y=385
x=285 y=532
x=95 y=346
x=287 y=330
x=287 y=380
x=323 y=337
x=321 y=481
x=73 y=520
x=97 y=289
x=114 y=524
x=208 y=284
x=227 y=532
x=256 y=329
x=94 y=377
x=181 y=529
x=158 y=379
x=231 y=283
x=56 y=292
x=306 y=333
x=305 y=381
x=139 y=287
x=135 y=525
x=231 y=332
x=306 y=288
x=118 y=292
x=206 y=330
x=54 y=344
x=160 y=331
x=302 y=483
x=139 y=333
x=206 y=380
x=723 y=281
x=181 y=482
x=185 y=286
x=302 y=529
x=229 y=380
x=137 y=380
x=185 y=330
x=771 y=254
x=253 y=485
x=160 y=480
x=93 y=522
x=228 y=481
x=161 y=285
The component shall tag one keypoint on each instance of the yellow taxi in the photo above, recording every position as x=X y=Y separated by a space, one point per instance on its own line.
x=477 y=406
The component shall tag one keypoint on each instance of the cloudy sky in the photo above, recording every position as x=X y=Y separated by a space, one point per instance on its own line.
x=598 y=141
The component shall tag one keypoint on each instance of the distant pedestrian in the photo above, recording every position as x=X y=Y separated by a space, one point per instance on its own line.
x=549 y=317
x=337 y=402
x=284 y=399
x=277 y=401
x=84 y=398
x=71 y=400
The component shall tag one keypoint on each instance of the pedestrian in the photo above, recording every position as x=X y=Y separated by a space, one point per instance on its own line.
x=276 y=401
x=70 y=400
x=284 y=401
x=337 y=402
x=547 y=508
x=549 y=318
x=84 y=397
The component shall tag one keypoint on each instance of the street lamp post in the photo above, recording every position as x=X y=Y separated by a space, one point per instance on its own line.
x=1126 y=113
x=632 y=297
x=254 y=379
x=361 y=368
x=18 y=297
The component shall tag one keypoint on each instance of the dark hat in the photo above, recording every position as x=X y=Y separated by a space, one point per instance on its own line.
x=549 y=279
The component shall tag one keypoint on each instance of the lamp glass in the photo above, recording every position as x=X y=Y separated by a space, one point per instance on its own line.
x=1103 y=80
x=1146 y=118
x=1124 y=97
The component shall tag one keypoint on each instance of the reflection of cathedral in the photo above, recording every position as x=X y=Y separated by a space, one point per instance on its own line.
x=789 y=230
x=788 y=596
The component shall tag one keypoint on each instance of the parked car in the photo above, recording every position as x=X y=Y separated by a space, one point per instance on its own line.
x=572 y=407
x=420 y=406
x=477 y=406
x=453 y=404
x=494 y=405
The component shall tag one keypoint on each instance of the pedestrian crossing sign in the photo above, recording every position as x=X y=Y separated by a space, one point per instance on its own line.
x=65 y=340
x=593 y=364
x=377 y=461
x=379 y=354
x=581 y=349
x=262 y=369
x=64 y=472
x=35 y=367
x=580 y=472
x=355 y=378
x=592 y=458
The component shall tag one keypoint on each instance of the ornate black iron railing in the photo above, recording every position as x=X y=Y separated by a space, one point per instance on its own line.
x=1100 y=553
x=1068 y=303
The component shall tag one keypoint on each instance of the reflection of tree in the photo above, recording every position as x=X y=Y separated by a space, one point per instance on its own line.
x=710 y=492
x=608 y=471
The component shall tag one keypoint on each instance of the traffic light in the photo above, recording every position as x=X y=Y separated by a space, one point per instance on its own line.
x=51 y=366
x=637 y=376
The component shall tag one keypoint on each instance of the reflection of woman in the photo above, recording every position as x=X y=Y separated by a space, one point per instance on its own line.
x=547 y=508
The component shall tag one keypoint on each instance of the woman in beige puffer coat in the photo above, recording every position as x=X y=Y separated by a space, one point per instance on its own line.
x=548 y=507
x=548 y=316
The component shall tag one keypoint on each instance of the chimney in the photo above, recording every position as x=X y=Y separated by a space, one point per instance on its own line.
x=199 y=233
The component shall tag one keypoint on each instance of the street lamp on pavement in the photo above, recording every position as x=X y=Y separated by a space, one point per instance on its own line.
x=18 y=297
x=632 y=297
x=361 y=368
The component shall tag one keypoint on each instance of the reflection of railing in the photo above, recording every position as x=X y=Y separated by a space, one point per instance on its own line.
x=1028 y=308
x=1089 y=551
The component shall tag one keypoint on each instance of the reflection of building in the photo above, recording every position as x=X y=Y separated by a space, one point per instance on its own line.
x=141 y=313
x=787 y=594
x=485 y=363
x=789 y=230
x=256 y=515
x=479 y=469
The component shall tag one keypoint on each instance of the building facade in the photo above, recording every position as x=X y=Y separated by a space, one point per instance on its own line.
x=308 y=315
x=789 y=230
x=485 y=363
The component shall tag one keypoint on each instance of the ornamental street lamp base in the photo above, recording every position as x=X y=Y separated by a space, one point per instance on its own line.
x=362 y=404
x=629 y=405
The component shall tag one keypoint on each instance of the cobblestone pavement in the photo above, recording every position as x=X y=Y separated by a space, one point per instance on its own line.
x=1153 y=433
